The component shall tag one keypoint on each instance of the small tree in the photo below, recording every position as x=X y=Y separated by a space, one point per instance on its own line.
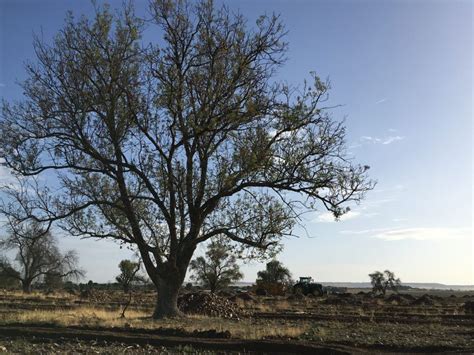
x=128 y=276
x=218 y=269
x=381 y=282
x=274 y=280
x=37 y=255
x=275 y=272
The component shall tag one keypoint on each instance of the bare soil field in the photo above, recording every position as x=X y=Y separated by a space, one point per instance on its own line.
x=352 y=322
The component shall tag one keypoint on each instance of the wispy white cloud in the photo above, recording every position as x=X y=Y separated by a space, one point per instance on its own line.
x=368 y=209
x=371 y=214
x=6 y=177
x=394 y=189
x=419 y=233
x=328 y=217
x=386 y=139
x=378 y=140
x=370 y=139
x=381 y=100
x=392 y=139
x=364 y=231
x=2 y=85
x=425 y=234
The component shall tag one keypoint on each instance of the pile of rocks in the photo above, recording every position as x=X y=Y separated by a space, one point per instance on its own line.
x=208 y=304
x=343 y=299
x=296 y=297
x=242 y=296
x=469 y=307
x=95 y=296
x=425 y=300
x=400 y=299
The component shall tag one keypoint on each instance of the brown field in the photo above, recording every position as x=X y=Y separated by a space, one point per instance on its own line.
x=413 y=321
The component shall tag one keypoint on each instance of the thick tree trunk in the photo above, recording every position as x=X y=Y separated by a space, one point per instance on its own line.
x=26 y=286
x=168 y=282
x=167 y=301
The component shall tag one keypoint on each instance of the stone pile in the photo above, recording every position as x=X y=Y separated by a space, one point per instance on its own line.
x=469 y=307
x=242 y=296
x=400 y=299
x=96 y=296
x=208 y=304
x=425 y=300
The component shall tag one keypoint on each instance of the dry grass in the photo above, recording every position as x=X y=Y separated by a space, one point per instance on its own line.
x=94 y=316
x=278 y=305
x=71 y=317
x=35 y=295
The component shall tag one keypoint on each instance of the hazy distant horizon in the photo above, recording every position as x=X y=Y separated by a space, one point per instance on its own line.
x=420 y=285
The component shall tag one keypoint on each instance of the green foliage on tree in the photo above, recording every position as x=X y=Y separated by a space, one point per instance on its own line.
x=218 y=269
x=9 y=277
x=275 y=272
x=128 y=278
x=53 y=281
x=383 y=281
x=274 y=280
x=165 y=145
x=129 y=274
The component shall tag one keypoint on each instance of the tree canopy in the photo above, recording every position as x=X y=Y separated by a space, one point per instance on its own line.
x=166 y=145
x=383 y=281
x=218 y=269
x=275 y=272
x=37 y=255
x=129 y=274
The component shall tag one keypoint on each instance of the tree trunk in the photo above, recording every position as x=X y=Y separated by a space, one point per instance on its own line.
x=213 y=287
x=127 y=304
x=26 y=286
x=167 y=301
x=167 y=283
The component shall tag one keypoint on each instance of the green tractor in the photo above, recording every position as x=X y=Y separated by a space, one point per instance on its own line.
x=306 y=286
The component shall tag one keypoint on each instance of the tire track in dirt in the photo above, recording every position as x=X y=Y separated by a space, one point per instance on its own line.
x=251 y=346
x=407 y=319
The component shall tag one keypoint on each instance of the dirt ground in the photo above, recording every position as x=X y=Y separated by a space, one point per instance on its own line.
x=355 y=321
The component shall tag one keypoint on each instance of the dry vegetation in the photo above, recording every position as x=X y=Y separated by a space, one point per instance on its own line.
x=98 y=317
x=402 y=322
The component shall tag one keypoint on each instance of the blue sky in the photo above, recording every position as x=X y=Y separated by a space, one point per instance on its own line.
x=402 y=71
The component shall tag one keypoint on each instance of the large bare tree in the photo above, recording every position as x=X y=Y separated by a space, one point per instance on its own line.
x=165 y=145
x=37 y=255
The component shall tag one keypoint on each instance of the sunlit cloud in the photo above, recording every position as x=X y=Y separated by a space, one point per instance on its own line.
x=420 y=233
x=371 y=214
x=5 y=174
x=7 y=179
x=378 y=202
x=378 y=140
x=395 y=189
x=364 y=231
x=387 y=139
x=392 y=139
x=328 y=217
